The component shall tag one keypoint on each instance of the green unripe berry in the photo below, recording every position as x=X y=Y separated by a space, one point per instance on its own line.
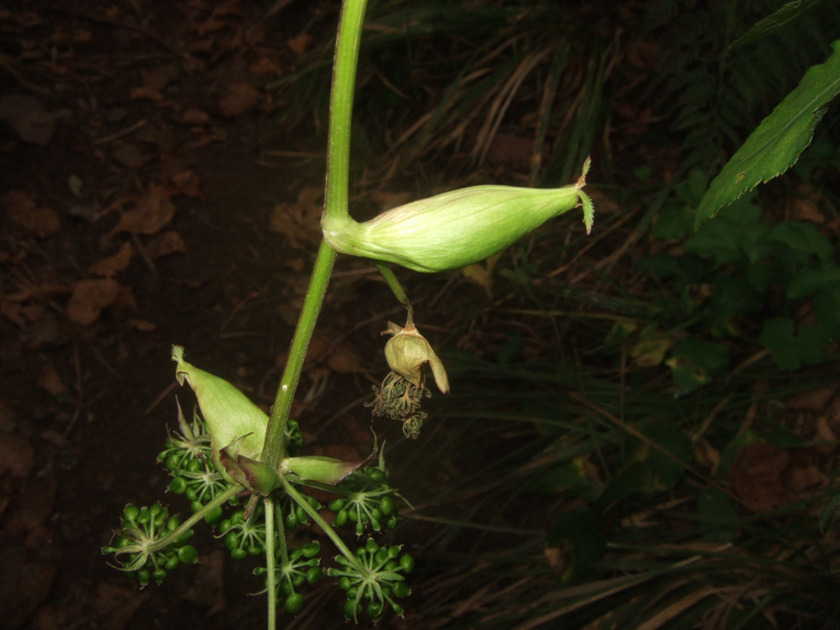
x=376 y=474
x=294 y=603
x=344 y=582
x=312 y=549
x=188 y=554
x=374 y=610
x=350 y=609
x=313 y=574
x=178 y=485
x=213 y=516
x=407 y=563
x=238 y=554
x=387 y=505
x=401 y=589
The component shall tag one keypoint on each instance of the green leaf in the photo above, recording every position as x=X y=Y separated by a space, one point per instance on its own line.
x=674 y=221
x=780 y=138
x=810 y=280
x=695 y=362
x=827 y=310
x=802 y=238
x=715 y=510
x=789 y=349
x=777 y=21
x=579 y=536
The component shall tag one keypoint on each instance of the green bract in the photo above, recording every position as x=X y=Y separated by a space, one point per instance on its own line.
x=233 y=421
x=453 y=229
x=319 y=468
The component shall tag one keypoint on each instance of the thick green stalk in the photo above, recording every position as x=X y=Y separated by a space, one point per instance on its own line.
x=176 y=533
x=271 y=575
x=338 y=177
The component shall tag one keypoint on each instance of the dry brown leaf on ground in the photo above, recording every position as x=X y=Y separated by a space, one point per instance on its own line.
x=132 y=154
x=757 y=478
x=299 y=43
x=142 y=325
x=17 y=457
x=154 y=81
x=299 y=221
x=164 y=244
x=112 y=265
x=124 y=302
x=209 y=586
x=266 y=65
x=28 y=118
x=388 y=200
x=50 y=381
x=187 y=183
x=196 y=117
x=152 y=211
x=806 y=204
x=239 y=98
x=22 y=209
x=24 y=584
x=115 y=605
x=89 y=297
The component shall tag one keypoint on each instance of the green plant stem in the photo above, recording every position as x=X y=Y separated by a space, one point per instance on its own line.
x=396 y=288
x=326 y=527
x=338 y=177
x=176 y=533
x=271 y=577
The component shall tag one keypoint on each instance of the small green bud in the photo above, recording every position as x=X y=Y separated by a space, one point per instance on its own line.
x=456 y=228
x=233 y=421
x=406 y=352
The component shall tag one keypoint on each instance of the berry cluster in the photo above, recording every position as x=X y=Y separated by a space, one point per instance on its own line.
x=368 y=501
x=379 y=582
x=142 y=541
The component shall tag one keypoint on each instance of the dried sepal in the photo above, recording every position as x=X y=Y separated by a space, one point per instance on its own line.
x=406 y=352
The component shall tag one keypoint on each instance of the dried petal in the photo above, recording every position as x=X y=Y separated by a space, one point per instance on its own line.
x=408 y=350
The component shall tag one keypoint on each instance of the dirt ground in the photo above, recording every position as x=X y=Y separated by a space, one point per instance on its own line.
x=142 y=206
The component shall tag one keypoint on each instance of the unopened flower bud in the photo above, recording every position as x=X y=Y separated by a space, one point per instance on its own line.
x=408 y=350
x=453 y=229
x=233 y=421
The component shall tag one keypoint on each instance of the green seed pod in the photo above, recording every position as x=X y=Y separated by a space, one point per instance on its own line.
x=232 y=419
x=456 y=228
x=406 y=352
